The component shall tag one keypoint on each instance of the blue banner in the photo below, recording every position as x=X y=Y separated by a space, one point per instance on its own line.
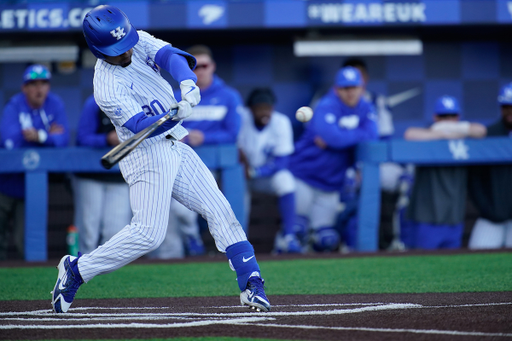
x=231 y=14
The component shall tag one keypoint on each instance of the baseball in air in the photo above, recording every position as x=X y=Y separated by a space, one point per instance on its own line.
x=304 y=114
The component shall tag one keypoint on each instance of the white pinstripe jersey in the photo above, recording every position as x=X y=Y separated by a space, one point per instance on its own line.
x=122 y=92
x=276 y=139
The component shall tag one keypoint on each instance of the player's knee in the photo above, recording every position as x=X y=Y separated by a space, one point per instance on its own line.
x=283 y=182
x=325 y=239
x=152 y=238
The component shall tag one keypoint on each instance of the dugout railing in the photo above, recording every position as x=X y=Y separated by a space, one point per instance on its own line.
x=36 y=163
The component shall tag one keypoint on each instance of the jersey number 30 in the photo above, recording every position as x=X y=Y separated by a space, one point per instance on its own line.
x=154 y=108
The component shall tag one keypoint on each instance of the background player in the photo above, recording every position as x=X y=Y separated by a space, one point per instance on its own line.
x=438 y=199
x=35 y=117
x=128 y=87
x=266 y=142
x=322 y=155
x=491 y=189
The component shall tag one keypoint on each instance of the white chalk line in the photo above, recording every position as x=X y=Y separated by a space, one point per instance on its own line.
x=141 y=325
x=248 y=318
x=384 y=330
x=303 y=305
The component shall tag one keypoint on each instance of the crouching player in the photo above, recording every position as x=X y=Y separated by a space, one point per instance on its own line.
x=266 y=142
x=325 y=151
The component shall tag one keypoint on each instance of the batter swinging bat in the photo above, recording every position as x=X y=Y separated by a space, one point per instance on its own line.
x=120 y=151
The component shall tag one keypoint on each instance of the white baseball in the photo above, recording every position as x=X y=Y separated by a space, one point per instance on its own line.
x=304 y=114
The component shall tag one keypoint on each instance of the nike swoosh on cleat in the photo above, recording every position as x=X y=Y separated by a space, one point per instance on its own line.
x=62 y=281
x=246 y=260
x=191 y=89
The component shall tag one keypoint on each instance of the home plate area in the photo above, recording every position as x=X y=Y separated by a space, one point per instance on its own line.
x=446 y=316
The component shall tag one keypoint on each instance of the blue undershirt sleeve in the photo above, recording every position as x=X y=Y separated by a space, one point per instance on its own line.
x=140 y=122
x=177 y=62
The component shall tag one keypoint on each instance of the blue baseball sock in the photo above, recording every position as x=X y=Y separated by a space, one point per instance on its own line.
x=287 y=210
x=74 y=267
x=243 y=261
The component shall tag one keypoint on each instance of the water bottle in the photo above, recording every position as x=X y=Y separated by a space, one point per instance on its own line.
x=72 y=240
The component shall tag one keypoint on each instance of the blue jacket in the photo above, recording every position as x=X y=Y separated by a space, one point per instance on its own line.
x=217 y=114
x=341 y=128
x=92 y=131
x=17 y=113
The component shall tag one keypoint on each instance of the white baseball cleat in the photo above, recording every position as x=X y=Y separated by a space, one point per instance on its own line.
x=66 y=286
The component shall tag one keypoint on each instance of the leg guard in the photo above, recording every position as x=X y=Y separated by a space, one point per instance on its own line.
x=243 y=261
x=325 y=239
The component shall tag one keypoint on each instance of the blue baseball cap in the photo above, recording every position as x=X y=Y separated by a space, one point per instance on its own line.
x=36 y=72
x=447 y=105
x=505 y=97
x=348 y=76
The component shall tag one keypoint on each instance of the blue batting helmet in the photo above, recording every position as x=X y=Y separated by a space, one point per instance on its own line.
x=505 y=97
x=108 y=32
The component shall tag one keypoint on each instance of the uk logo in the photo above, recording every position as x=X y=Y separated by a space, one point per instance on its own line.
x=349 y=74
x=118 y=33
x=448 y=103
x=458 y=149
x=118 y=112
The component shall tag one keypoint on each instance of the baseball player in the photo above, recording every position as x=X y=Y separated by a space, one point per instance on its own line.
x=266 y=142
x=129 y=89
x=438 y=199
x=491 y=189
x=102 y=206
x=33 y=118
x=325 y=150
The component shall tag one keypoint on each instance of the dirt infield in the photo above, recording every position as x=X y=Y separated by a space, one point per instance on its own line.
x=460 y=316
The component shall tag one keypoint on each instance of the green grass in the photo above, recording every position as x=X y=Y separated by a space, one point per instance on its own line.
x=398 y=274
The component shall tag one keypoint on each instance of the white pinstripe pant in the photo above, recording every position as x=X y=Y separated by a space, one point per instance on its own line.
x=154 y=171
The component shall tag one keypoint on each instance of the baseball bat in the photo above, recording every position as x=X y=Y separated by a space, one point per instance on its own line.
x=120 y=151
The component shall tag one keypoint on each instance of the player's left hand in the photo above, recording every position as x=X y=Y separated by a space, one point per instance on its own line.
x=184 y=110
x=190 y=92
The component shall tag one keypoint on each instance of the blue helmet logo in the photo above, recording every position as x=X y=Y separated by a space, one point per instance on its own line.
x=505 y=96
x=447 y=105
x=108 y=32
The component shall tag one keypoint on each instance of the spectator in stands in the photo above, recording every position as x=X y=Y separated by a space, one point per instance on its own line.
x=266 y=142
x=490 y=188
x=33 y=118
x=215 y=120
x=341 y=120
x=102 y=204
x=438 y=199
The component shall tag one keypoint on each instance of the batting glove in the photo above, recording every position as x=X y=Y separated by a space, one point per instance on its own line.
x=190 y=92
x=184 y=110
